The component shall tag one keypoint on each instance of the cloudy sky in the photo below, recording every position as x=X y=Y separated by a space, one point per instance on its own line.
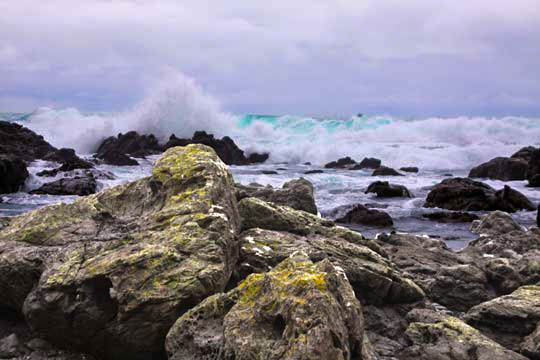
x=417 y=57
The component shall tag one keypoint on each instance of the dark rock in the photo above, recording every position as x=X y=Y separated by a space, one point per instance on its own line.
x=13 y=174
x=113 y=157
x=343 y=163
x=524 y=153
x=534 y=181
x=496 y=223
x=448 y=175
x=501 y=168
x=376 y=206
x=69 y=186
x=469 y=195
x=412 y=169
x=364 y=216
x=282 y=169
x=20 y=142
x=368 y=163
x=297 y=194
x=534 y=166
x=531 y=344
x=385 y=189
x=70 y=161
x=385 y=171
x=130 y=143
x=313 y=172
x=256 y=158
x=307 y=163
x=269 y=172
x=451 y=217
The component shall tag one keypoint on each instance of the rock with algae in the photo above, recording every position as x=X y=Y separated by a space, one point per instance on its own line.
x=299 y=310
x=110 y=273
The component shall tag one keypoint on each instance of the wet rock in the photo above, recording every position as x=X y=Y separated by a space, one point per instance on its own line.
x=313 y=172
x=501 y=168
x=298 y=308
x=68 y=159
x=451 y=217
x=130 y=143
x=385 y=171
x=534 y=181
x=343 y=163
x=69 y=186
x=19 y=142
x=385 y=189
x=469 y=195
x=13 y=174
x=524 y=153
x=368 y=163
x=412 y=169
x=435 y=336
x=110 y=273
x=495 y=223
x=534 y=167
x=360 y=214
x=269 y=172
x=499 y=242
x=508 y=319
x=297 y=194
x=113 y=157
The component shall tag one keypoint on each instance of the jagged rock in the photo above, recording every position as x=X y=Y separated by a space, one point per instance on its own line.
x=373 y=277
x=385 y=189
x=367 y=163
x=68 y=159
x=451 y=217
x=130 y=143
x=13 y=174
x=19 y=142
x=495 y=223
x=298 y=308
x=469 y=195
x=343 y=163
x=385 y=171
x=83 y=185
x=498 y=243
x=110 y=273
x=412 y=169
x=501 y=168
x=360 y=214
x=437 y=337
x=508 y=319
x=113 y=157
x=531 y=345
x=524 y=153
x=297 y=194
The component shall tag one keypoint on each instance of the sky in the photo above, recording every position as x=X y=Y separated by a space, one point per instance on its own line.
x=312 y=57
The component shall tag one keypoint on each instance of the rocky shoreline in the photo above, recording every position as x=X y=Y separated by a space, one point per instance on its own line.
x=185 y=264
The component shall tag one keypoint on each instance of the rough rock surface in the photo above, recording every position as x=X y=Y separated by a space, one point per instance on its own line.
x=412 y=169
x=83 y=185
x=524 y=153
x=299 y=310
x=130 y=143
x=297 y=194
x=531 y=344
x=343 y=163
x=360 y=214
x=110 y=273
x=451 y=217
x=13 y=174
x=385 y=171
x=385 y=189
x=20 y=142
x=68 y=159
x=114 y=157
x=495 y=223
x=437 y=337
x=369 y=163
x=501 y=168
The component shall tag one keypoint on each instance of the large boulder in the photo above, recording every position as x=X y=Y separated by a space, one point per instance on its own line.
x=297 y=194
x=501 y=168
x=68 y=159
x=385 y=171
x=385 y=189
x=114 y=157
x=298 y=310
x=130 y=143
x=495 y=223
x=13 y=174
x=533 y=170
x=79 y=185
x=360 y=214
x=20 y=142
x=342 y=163
x=524 y=153
x=110 y=273
x=434 y=336
x=531 y=344
x=411 y=169
x=368 y=163
x=469 y=195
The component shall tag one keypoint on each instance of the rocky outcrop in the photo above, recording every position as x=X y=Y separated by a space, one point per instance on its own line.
x=469 y=195
x=495 y=223
x=296 y=309
x=369 y=163
x=501 y=168
x=360 y=214
x=533 y=170
x=524 y=153
x=411 y=169
x=130 y=143
x=531 y=344
x=79 y=185
x=110 y=273
x=113 y=157
x=22 y=143
x=385 y=171
x=385 y=189
x=297 y=194
x=436 y=336
x=448 y=217
x=342 y=163
x=13 y=174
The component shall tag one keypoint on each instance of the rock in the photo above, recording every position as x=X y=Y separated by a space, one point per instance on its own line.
x=68 y=159
x=499 y=240
x=469 y=195
x=385 y=171
x=307 y=163
x=343 y=163
x=508 y=319
x=19 y=142
x=225 y=148
x=368 y=163
x=412 y=169
x=534 y=166
x=69 y=186
x=269 y=172
x=10 y=347
x=296 y=309
x=313 y=172
x=531 y=344
x=495 y=223
x=130 y=143
x=110 y=273
x=501 y=168
x=534 y=181
x=385 y=189
x=13 y=173
x=374 y=279
x=524 y=153
x=451 y=217
x=297 y=194
x=359 y=214
x=113 y=157
x=434 y=336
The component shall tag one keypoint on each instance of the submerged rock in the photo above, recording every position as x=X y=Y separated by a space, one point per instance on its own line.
x=412 y=169
x=13 y=174
x=110 y=273
x=385 y=189
x=501 y=168
x=451 y=217
x=385 y=171
x=360 y=214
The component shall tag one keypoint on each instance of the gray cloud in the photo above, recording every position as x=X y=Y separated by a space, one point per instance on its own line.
x=306 y=56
